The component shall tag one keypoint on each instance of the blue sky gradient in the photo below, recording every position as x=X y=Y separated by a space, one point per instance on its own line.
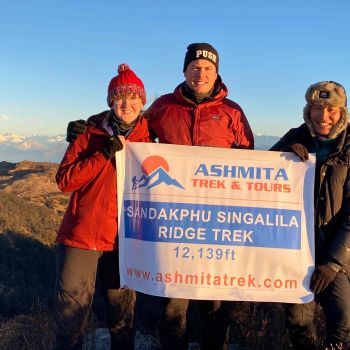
x=57 y=57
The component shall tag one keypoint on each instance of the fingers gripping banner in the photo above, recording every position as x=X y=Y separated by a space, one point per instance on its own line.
x=213 y=223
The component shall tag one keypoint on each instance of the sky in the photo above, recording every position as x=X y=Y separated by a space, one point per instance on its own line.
x=57 y=57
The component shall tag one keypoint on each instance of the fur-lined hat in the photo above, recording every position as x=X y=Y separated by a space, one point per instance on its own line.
x=327 y=93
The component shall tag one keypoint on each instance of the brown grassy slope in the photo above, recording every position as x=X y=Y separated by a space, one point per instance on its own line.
x=27 y=219
x=34 y=182
x=27 y=261
x=30 y=211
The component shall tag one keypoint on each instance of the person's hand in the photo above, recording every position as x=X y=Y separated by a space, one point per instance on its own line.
x=321 y=278
x=113 y=145
x=300 y=150
x=75 y=128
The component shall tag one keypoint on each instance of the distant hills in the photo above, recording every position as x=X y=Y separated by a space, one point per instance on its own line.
x=16 y=148
x=33 y=182
x=31 y=209
x=264 y=142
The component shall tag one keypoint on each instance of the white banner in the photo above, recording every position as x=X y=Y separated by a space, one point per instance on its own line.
x=213 y=223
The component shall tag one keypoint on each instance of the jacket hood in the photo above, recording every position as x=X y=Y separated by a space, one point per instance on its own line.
x=97 y=121
x=97 y=124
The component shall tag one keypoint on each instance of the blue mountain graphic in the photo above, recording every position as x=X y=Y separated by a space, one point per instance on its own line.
x=163 y=177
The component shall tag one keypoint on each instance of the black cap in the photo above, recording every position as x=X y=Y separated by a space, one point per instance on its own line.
x=201 y=51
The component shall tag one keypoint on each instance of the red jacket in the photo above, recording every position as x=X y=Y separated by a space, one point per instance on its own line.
x=90 y=221
x=217 y=122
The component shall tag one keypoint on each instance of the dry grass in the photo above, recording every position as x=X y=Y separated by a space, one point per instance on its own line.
x=254 y=326
x=259 y=326
x=32 y=331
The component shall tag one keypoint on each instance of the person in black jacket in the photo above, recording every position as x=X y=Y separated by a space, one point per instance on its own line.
x=325 y=132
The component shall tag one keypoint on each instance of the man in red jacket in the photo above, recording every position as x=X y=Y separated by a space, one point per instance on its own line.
x=197 y=113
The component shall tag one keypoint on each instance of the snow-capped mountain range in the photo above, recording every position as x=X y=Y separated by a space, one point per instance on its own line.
x=16 y=148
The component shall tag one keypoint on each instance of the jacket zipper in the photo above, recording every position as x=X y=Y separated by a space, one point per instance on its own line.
x=103 y=209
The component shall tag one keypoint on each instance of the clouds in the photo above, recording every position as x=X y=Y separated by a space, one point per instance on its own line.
x=4 y=117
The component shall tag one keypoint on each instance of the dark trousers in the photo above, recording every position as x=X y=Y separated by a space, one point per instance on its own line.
x=215 y=322
x=335 y=303
x=76 y=271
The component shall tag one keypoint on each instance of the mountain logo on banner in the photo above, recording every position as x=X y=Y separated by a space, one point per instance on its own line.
x=155 y=170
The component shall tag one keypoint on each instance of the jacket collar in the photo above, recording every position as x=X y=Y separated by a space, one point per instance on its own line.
x=219 y=93
x=341 y=154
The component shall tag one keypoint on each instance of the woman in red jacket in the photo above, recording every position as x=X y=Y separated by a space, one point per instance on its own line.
x=87 y=236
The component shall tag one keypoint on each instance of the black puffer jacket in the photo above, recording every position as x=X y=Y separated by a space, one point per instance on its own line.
x=332 y=196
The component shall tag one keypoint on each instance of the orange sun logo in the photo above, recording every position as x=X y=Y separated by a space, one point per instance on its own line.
x=152 y=163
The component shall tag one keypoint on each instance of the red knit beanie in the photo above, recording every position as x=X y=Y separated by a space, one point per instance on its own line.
x=126 y=82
